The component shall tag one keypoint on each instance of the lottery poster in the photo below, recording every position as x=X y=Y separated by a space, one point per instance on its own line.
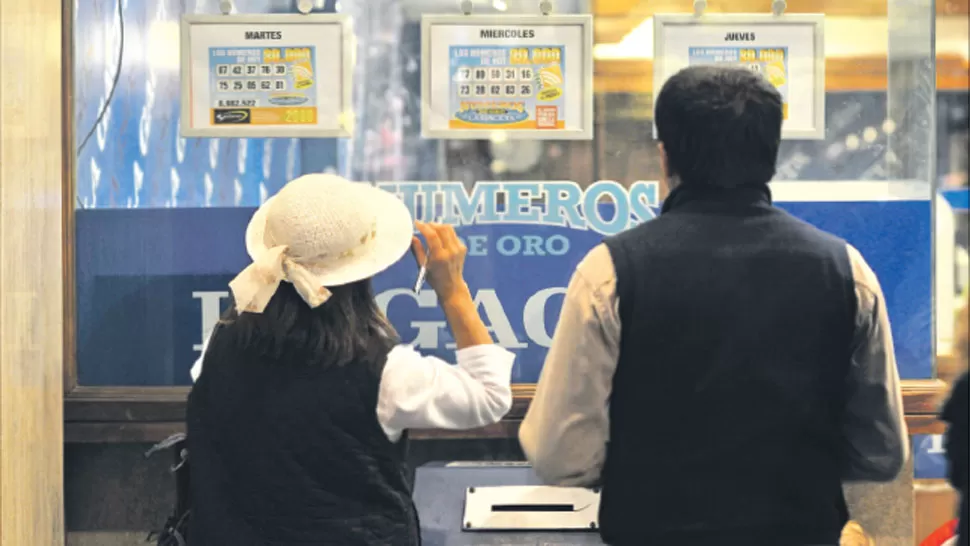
x=788 y=50
x=507 y=88
x=263 y=86
x=770 y=62
x=266 y=76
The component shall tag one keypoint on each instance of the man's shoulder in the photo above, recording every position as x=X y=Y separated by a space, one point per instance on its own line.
x=808 y=229
x=597 y=269
x=644 y=230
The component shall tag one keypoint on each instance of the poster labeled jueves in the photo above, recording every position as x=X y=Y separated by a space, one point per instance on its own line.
x=529 y=77
x=266 y=76
x=788 y=50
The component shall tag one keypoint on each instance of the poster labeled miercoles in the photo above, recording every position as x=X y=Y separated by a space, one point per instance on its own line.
x=271 y=76
x=522 y=77
x=787 y=50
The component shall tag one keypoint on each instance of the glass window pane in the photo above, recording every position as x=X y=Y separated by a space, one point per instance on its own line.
x=159 y=219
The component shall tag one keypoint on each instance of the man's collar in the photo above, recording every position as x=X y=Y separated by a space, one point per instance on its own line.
x=742 y=196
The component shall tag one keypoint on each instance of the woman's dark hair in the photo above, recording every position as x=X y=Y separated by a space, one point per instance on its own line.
x=346 y=328
x=719 y=126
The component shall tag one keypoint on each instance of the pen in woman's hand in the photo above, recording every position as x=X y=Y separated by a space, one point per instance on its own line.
x=421 y=257
x=443 y=260
x=445 y=263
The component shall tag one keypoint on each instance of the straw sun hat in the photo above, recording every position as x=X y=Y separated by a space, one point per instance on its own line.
x=317 y=232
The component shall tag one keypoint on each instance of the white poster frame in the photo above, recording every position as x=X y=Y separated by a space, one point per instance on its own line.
x=585 y=22
x=816 y=130
x=342 y=126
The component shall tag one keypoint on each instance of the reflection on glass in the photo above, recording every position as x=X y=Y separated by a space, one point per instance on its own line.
x=159 y=217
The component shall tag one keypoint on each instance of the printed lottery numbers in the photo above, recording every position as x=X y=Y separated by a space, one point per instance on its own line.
x=238 y=69
x=237 y=86
x=771 y=55
x=222 y=70
x=252 y=69
x=265 y=70
x=279 y=70
x=514 y=80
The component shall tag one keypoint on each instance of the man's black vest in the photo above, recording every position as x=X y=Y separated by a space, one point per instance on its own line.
x=287 y=454
x=727 y=403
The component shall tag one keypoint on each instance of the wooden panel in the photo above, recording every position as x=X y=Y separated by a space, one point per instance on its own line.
x=151 y=432
x=949 y=368
x=925 y=424
x=952 y=7
x=936 y=504
x=138 y=432
x=106 y=404
x=165 y=404
x=150 y=415
x=119 y=432
x=610 y=30
x=602 y=8
x=921 y=402
x=841 y=74
x=508 y=428
x=31 y=320
x=923 y=397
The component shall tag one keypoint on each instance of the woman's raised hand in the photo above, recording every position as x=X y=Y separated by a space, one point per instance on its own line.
x=444 y=259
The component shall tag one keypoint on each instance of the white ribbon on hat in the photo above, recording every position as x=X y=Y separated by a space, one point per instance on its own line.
x=254 y=286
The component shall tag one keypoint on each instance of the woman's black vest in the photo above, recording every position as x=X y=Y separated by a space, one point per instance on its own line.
x=288 y=454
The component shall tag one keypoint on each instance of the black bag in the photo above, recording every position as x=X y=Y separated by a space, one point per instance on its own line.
x=175 y=532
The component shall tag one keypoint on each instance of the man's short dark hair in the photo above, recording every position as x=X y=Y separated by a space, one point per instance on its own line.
x=719 y=126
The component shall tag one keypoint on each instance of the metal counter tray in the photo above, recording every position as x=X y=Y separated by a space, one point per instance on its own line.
x=485 y=504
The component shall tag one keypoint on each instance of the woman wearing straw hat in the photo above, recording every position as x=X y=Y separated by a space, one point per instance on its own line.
x=296 y=419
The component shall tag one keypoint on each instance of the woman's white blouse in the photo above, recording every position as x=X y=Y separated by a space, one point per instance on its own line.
x=426 y=392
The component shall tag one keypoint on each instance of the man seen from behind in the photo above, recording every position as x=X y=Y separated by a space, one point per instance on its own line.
x=723 y=369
